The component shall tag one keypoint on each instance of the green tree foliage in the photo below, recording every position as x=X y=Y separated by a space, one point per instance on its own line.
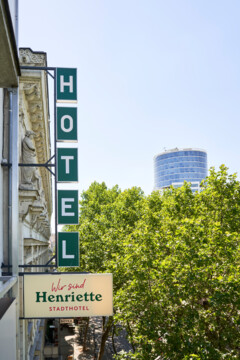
x=175 y=261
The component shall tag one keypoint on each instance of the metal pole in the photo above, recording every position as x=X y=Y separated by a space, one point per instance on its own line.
x=38 y=68
x=10 y=179
x=55 y=151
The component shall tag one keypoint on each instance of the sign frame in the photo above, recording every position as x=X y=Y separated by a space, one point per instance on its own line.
x=70 y=237
x=74 y=218
x=57 y=286
x=69 y=162
x=66 y=77
x=69 y=114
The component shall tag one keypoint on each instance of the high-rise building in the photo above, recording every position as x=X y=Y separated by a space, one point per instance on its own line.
x=173 y=167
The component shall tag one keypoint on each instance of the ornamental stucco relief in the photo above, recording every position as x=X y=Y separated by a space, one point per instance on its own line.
x=35 y=194
x=31 y=58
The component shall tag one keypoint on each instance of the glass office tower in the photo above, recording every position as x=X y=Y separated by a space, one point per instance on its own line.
x=173 y=167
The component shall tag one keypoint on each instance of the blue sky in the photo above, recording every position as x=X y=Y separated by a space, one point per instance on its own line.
x=152 y=75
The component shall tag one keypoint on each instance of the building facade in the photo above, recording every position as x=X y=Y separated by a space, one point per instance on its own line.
x=34 y=190
x=25 y=191
x=173 y=167
x=9 y=78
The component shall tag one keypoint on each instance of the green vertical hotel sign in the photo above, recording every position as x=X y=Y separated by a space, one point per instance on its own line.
x=67 y=160
x=67 y=166
x=68 y=207
x=67 y=124
x=68 y=249
x=66 y=84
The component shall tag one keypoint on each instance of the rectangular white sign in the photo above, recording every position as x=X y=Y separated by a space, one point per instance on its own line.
x=67 y=295
x=66 y=321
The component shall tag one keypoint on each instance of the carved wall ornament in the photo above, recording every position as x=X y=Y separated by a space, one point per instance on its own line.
x=32 y=91
x=34 y=116
x=37 y=118
x=29 y=57
x=37 y=126
x=35 y=212
x=35 y=107
x=39 y=141
x=21 y=116
x=29 y=175
x=26 y=199
x=20 y=104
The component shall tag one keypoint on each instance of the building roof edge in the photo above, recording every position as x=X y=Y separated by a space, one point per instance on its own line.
x=177 y=150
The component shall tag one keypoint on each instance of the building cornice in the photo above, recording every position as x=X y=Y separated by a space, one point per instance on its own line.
x=175 y=150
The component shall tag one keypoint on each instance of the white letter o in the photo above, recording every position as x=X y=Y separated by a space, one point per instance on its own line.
x=70 y=123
